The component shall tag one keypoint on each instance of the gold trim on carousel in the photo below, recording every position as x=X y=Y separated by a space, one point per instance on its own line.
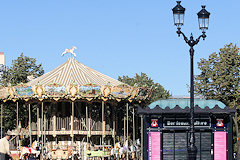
x=40 y=99
x=26 y=99
x=104 y=99
x=73 y=99
x=89 y=99
x=11 y=92
x=118 y=99
x=14 y=100
x=56 y=99
x=73 y=90
x=130 y=100
x=4 y=100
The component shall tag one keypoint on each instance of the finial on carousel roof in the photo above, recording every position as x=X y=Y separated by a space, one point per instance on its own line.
x=70 y=51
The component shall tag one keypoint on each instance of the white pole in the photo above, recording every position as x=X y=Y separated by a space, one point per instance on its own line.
x=87 y=122
x=133 y=124
x=72 y=127
x=114 y=124
x=124 y=128
x=103 y=126
x=141 y=137
x=42 y=128
x=30 y=127
x=127 y=131
x=17 y=117
x=45 y=127
x=103 y=123
x=37 y=123
x=17 y=132
x=1 y=120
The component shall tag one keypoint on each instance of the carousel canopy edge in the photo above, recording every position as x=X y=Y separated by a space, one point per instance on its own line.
x=88 y=91
x=74 y=80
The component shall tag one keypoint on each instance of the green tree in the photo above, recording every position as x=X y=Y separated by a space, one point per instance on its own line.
x=21 y=68
x=219 y=78
x=144 y=81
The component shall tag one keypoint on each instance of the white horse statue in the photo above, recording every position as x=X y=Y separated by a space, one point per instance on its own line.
x=31 y=150
x=115 y=150
x=70 y=51
x=123 y=150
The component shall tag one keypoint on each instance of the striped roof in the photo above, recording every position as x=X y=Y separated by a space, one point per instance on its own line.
x=73 y=71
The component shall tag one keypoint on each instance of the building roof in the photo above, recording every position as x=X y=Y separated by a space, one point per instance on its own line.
x=182 y=103
x=75 y=72
x=182 y=106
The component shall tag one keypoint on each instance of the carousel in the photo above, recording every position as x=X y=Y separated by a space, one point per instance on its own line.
x=75 y=112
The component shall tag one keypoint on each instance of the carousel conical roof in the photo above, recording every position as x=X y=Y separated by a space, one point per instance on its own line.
x=71 y=72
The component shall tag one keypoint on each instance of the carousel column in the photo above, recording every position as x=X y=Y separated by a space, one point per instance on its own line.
x=127 y=129
x=17 y=116
x=114 y=123
x=103 y=123
x=30 y=127
x=45 y=127
x=141 y=137
x=133 y=124
x=1 y=120
x=17 y=139
x=54 y=119
x=37 y=123
x=42 y=129
x=124 y=128
x=87 y=122
x=72 y=120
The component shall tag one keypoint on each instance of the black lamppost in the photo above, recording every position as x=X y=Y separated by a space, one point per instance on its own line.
x=203 y=19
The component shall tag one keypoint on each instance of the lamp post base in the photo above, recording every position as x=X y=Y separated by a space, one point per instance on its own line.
x=192 y=152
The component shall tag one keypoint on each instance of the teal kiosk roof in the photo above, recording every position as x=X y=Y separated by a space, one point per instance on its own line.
x=182 y=105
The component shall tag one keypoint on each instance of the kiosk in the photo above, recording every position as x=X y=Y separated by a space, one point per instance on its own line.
x=166 y=130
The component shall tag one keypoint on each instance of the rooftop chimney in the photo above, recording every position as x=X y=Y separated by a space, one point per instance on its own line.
x=2 y=58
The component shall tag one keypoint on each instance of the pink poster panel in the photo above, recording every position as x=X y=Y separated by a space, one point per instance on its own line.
x=220 y=145
x=154 y=145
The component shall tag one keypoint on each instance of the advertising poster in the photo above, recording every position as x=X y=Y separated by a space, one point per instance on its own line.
x=154 y=145
x=220 y=145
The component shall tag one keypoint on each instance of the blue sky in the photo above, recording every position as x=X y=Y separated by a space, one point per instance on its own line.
x=116 y=37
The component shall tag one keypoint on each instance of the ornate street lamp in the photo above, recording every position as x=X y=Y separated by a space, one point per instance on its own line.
x=203 y=19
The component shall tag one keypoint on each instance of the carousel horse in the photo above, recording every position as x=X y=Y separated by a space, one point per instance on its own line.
x=115 y=150
x=123 y=150
x=132 y=149
x=138 y=148
x=70 y=51
x=135 y=149
x=31 y=150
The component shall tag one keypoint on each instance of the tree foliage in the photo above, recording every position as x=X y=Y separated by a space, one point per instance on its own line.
x=21 y=68
x=144 y=81
x=219 y=78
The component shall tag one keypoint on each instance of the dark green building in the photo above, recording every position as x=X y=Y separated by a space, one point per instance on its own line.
x=166 y=127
